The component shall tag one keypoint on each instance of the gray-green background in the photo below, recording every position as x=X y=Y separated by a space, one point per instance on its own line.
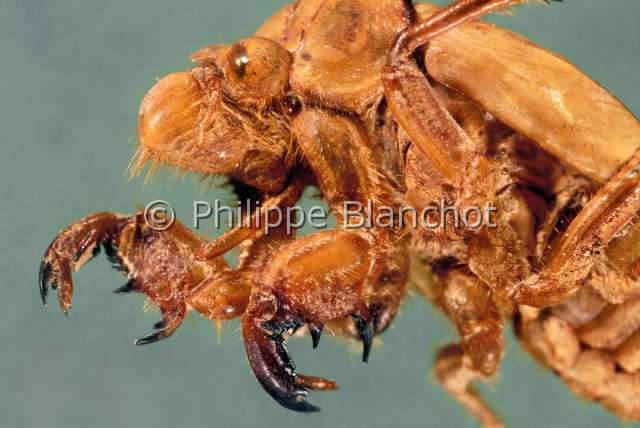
x=72 y=73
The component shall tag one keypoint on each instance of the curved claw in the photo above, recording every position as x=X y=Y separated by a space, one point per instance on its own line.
x=366 y=331
x=171 y=320
x=72 y=248
x=275 y=371
x=152 y=338
x=133 y=248
x=128 y=288
x=44 y=276
x=56 y=275
x=272 y=366
x=315 y=332
x=297 y=404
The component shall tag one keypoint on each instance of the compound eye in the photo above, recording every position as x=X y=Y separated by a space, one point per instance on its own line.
x=256 y=68
x=240 y=61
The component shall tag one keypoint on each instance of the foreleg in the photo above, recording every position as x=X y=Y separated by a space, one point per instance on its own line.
x=315 y=280
x=160 y=264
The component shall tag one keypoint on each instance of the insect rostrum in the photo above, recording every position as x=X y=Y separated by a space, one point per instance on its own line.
x=403 y=105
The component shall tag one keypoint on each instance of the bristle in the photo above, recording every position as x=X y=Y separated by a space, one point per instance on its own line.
x=153 y=168
x=219 y=324
x=137 y=163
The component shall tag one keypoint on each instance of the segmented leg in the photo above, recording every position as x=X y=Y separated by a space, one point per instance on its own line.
x=254 y=226
x=436 y=134
x=592 y=339
x=225 y=293
x=427 y=186
x=469 y=304
x=456 y=377
x=314 y=280
x=573 y=256
x=348 y=171
x=326 y=277
x=453 y=155
x=161 y=265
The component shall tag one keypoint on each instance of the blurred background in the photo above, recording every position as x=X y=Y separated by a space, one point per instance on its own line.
x=71 y=78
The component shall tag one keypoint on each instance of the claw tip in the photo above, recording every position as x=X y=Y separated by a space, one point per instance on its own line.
x=129 y=287
x=140 y=342
x=366 y=331
x=302 y=406
x=316 y=333
x=44 y=275
x=152 y=338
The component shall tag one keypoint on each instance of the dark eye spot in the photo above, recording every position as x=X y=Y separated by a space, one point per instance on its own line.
x=240 y=59
x=292 y=105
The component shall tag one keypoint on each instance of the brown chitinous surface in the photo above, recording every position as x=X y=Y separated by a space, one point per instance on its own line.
x=375 y=101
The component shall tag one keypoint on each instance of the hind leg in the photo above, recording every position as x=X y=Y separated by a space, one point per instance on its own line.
x=469 y=304
x=456 y=377
x=433 y=131
x=572 y=257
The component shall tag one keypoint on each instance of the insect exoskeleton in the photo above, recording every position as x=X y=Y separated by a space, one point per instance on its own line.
x=390 y=106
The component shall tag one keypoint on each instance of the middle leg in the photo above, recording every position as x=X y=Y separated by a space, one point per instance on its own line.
x=455 y=157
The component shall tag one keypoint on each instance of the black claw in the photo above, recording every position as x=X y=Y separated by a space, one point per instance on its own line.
x=366 y=331
x=152 y=338
x=296 y=403
x=316 y=332
x=129 y=287
x=44 y=276
x=273 y=367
